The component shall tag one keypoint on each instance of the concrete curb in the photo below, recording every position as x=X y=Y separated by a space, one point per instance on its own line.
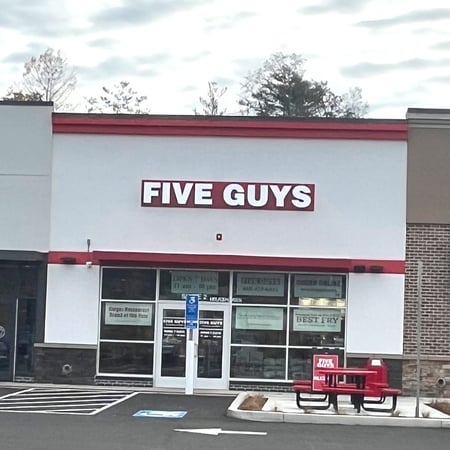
x=269 y=415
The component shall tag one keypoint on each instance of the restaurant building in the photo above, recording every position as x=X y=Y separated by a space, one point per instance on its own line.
x=292 y=232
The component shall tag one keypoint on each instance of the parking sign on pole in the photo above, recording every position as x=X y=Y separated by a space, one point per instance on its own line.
x=192 y=301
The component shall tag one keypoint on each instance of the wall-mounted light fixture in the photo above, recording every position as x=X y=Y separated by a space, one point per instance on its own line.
x=376 y=269
x=359 y=269
x=88 y=259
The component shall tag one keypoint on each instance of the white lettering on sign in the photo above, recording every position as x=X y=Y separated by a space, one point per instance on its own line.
x=325 y=363
x=224 y=195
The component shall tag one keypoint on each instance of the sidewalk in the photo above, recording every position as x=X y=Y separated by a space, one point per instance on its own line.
x=281 y=407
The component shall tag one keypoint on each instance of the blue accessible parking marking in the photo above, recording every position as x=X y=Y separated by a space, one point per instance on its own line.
x=160 y=414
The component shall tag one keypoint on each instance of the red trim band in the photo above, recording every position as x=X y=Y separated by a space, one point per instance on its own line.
x=229 y=262
x=392 y=130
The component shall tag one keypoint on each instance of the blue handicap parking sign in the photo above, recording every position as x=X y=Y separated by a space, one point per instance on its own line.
x=192 y=301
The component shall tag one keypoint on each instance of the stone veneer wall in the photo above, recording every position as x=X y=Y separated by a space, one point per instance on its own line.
x=429 y=243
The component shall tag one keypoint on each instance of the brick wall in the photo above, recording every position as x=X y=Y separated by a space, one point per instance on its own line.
x=429 y=243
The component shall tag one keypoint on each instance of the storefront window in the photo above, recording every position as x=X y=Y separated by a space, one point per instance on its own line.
x=260 y=288
x=252 y=362
x=317 y=313
x=127 y=314
x=212 y=286
x=259 y=325
x=128 y=284
x=317 y=327
x=126 y=358
x=318 y=290
x=313 y=322
x=127 y=321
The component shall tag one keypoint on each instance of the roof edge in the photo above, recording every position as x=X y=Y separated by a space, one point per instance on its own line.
x=230 y=126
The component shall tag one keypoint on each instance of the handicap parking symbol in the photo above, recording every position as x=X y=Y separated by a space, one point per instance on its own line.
x=160 y=414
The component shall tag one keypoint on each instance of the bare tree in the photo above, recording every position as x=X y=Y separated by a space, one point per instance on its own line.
x=49 y=77
x=210 y=105
x=120 y=99
x=18 y=96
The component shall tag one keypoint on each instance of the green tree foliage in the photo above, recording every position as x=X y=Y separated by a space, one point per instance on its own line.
x=120 y=99
x=210 y=104
x=47 y=77
x=279 y=88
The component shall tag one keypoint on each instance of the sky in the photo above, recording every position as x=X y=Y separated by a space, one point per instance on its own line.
x=396 y=51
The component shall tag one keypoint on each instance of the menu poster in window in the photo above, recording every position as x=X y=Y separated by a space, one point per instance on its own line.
x=318 y=320
x=134 y=314
x=318 y=286
x=186 y=282
x=251 y=318
x=260 y=284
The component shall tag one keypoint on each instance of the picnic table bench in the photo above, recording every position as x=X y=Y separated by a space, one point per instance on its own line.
x=366 y=386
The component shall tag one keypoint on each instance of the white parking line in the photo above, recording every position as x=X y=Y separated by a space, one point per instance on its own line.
x=62 y=401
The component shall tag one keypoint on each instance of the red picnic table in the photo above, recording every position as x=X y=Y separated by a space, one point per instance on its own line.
x=365 y=386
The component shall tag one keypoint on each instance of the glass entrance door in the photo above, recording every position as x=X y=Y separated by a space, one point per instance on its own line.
x=211 y=347
x=7 y=341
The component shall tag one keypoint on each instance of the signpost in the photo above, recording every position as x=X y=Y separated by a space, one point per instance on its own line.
x=191 y=316
x=192 y=301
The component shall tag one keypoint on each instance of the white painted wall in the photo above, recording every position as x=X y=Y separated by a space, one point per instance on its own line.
x=360 y=196
x=375 y=314
x=25 y=177
x=72 y=304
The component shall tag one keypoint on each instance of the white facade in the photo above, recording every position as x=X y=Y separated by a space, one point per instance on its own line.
x=25 y=177
x=76 y=195
x=97 y=183
x=359 y=214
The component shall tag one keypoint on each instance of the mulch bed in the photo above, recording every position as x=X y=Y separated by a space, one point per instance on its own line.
x=253 y=403
x=441 y=406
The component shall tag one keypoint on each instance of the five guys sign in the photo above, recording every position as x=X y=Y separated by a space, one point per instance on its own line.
x=227 y=195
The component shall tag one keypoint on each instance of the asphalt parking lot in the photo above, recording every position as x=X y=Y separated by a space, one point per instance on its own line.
x=205 y=426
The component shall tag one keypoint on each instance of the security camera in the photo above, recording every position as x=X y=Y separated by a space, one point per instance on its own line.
x=89 y=263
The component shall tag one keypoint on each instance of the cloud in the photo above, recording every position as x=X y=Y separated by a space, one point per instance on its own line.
x=441 y=79
x=125 y=68
x=46 y=18
x=103 y=43
x=333 y=6
x=441 y=46
x=419 y=16
x=227 y=22
x=197 y=56
x=139 y=12
x=23 y=56
x=369 y=69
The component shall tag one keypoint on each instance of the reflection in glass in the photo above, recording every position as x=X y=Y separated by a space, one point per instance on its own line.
x=173 y=357
x=210 y=339
x=127 y=358
x=300 y=361
x=6 y=341
x=127 y=331
x=129 y=284
x=212 y=286
x=258 y=325
x=251 y=362
x=260 y=288
x=26 y=319
x=317 y=327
